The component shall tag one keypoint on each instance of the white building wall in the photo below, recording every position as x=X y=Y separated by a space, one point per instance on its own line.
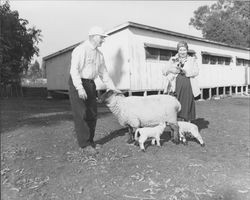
x=210 y=75
x=57 y=71
x=116 y=53
x=124 y=54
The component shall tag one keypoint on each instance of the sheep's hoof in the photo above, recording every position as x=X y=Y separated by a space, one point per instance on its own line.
x=136 y=143
x=176 y=140
x=203 y=145
x=143 y=150
x=130 y=141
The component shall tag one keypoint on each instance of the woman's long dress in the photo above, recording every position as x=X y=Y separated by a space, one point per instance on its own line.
x=185 y=96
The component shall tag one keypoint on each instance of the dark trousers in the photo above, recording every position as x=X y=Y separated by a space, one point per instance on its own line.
x=84 y=112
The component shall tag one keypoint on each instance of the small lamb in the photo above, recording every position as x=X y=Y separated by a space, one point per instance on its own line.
x=142 y=134
x=191 y=128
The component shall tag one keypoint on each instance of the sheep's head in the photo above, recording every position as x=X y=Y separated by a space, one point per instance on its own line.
x=107 y=96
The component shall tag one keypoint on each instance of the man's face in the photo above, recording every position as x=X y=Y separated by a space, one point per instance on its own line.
x=99 y=40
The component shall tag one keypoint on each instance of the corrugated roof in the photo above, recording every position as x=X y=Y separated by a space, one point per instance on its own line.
x=148 y=28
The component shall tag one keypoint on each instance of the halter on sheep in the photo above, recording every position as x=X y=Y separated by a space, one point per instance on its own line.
x=136 y=111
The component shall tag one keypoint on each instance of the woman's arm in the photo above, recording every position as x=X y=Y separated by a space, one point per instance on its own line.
x=192 y=69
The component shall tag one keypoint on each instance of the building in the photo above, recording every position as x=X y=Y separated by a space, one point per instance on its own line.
x=135 y=54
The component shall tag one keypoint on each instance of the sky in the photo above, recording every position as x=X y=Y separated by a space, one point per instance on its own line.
x=64 y=23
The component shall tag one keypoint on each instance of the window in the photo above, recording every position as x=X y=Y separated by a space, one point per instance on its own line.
x=156 y=52
x=227 y=61
x=248 y=63
x=242 y=62
x=152 y=53
x=215 y=59
x=238 y=62
x=221 y=61
x=159 y=54
x=205 y=59
x=165 y=54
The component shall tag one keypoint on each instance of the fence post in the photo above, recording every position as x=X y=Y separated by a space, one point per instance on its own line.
x=217 y=91
x=210 y=93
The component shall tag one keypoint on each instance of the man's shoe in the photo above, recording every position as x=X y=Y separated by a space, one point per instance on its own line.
x=94 y=145
x=90 y=150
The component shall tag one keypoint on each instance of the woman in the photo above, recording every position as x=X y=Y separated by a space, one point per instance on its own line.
x=181 y=76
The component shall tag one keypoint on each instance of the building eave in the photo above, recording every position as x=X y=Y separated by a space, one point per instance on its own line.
x=61 y=51
x=152 y=29
x=159 y=30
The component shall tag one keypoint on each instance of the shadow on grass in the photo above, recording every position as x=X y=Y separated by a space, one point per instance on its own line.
x=112 y=135
x=48 y=121
x=165 y=137
x=36 y=122
x=201 y=123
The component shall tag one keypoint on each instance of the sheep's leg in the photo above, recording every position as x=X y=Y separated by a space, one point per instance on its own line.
x=158 y=141
x=153 y=141
x=182 y=138
x=175 y=132
x=141 y=143
x=142 y=146
x=130 y=135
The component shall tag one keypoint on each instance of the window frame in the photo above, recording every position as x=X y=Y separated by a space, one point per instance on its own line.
x=242 y=62
x=172 y=51
x=219 y=59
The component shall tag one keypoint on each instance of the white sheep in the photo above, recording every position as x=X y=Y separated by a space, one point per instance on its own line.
x=142 y=134
x=137 y=111
x=187 y=127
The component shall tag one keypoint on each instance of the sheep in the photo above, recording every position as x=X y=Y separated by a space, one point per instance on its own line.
x=142 y=134
x=187 y=127
x=136 y=111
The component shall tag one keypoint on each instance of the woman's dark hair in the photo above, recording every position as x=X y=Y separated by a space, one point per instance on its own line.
x=182 y=44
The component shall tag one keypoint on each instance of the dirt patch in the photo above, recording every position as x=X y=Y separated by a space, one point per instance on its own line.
x=40 y=159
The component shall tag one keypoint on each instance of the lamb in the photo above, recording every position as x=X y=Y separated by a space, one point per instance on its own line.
x=136 y=111
x=187 y=127
x=169 y=83
x=142 y=134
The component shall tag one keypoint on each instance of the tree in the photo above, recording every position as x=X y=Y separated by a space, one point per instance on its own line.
x=18 y=44
x=226 y=21
x=34 y=71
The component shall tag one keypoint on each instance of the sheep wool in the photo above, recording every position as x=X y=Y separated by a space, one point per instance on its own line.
x=137 y=111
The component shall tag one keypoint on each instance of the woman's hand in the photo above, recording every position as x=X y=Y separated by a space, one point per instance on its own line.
x=175 y=70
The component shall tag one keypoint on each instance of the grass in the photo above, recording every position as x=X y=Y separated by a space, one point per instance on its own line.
x=40 y=159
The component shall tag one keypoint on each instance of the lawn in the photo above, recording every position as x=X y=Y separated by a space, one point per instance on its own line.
x=40 y=159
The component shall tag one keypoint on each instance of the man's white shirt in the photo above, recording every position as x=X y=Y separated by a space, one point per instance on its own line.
x=88 y=62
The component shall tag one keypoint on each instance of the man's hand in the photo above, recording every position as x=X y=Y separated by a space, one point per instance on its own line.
x=115 y=90
x=118 y=91
x=82 y=94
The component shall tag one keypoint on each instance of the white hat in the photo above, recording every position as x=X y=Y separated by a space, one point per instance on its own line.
x=95 y=30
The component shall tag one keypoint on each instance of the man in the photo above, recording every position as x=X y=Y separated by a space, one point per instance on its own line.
x=87 y=62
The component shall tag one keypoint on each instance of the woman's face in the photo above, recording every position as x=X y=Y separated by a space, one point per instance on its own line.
x=182 y=52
